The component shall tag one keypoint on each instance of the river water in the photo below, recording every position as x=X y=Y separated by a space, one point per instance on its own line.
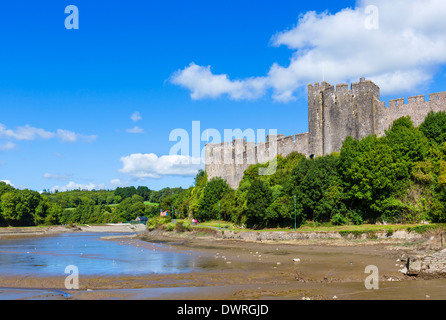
x=49 y=256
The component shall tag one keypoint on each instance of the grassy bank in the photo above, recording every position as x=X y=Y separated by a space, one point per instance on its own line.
x=329 y=228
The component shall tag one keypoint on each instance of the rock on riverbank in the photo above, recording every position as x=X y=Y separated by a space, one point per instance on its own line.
x=426 y=266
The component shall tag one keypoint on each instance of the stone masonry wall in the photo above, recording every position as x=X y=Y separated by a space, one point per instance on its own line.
x=230 y=160
x=432 y=265
x=334 y=113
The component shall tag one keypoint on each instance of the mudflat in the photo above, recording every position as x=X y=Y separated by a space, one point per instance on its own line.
x=238 y=270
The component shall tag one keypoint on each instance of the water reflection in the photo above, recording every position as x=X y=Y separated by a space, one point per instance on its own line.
x=93 y=256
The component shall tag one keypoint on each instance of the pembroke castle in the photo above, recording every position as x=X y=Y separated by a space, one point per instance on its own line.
x=334 y=113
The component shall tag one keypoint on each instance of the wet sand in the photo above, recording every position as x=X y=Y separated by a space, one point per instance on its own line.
x=239 y=270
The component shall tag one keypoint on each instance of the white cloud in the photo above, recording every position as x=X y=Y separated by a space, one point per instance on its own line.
x=7 y=146
x=60 y=177
x=7 y=182
x=150 y=166
x=66 y=135
x=204 y=84
x=25 y=133
x=135 y=129
x=116 y=183
x=404 y=53
x=113 y=184
x=28 y=133
x=136 y=116
x=76 y=186
x=70 y=136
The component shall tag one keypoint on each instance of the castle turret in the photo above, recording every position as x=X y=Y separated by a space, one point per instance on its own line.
x=316 y=105
x=335 y=114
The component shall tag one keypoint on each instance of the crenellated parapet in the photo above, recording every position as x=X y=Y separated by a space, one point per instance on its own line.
x=334 y=113
x=417 y=107
x=229 y=160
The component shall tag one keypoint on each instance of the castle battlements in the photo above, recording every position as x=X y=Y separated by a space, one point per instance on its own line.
x=433 y=97
x=334 y=113
x=417 y=107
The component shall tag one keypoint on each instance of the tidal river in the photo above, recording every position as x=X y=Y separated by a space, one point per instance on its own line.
x=49 y=256
x=34 y=268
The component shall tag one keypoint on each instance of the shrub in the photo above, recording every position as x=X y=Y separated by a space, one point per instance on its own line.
x=355 y=217
x=181 y=227
x=437 y=211
x=259 y=198
x=157 y=222
x=434 y=127
x=339 y=220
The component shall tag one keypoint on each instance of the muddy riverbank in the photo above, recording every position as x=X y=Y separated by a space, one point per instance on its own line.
x=316 y=268
x=24 y=232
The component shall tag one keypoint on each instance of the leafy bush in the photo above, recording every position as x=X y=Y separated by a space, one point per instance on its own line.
x=355 y=217
x=156 y=222
x=181 y=227
x=339 y=220
x=259 y=198
x=434 y=127
x=214 y=191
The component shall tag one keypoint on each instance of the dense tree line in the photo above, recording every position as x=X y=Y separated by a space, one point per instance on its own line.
x=29 y=208
x=399 y=177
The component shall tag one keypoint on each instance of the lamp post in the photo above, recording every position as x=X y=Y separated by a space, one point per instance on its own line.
x=172 y=209
x=188 y=215
x=295 y=214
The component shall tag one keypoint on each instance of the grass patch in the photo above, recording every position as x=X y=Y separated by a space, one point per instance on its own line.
x=148 y=203
x=157 y=222
x=355 y=231
x=421 y=229
x=215 y=224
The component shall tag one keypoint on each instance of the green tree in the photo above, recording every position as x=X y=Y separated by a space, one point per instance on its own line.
x=131 y=208
x=259 y=198
x=9 y=202
x=407 y=142
x=214 y=192
x=281 y=212
x=54 y=214
x=144 y=192
x=317 y=185
x=434 y=127
x=372 y=173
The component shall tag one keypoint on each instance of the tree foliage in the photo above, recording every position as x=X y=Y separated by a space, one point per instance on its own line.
x=397 y=177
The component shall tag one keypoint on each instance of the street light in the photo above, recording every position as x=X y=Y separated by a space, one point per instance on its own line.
x=295 y=214
x=172 y=209
x=219 y=215
x=188 y=215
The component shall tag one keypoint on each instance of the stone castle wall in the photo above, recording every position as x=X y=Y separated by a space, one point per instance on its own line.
x=334 y=113
x=229 y=160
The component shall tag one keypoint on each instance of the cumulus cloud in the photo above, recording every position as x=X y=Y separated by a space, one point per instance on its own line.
x=204 y=84
x=70 y=136
x=60 y=177
x=136 y=116
x=403 y=53
x=7 y=146
x=90 y=186
x=28 y=133
x=116 y=183
x=75 y=186
x=7 y=182
x=150 y=166
x=135 y=130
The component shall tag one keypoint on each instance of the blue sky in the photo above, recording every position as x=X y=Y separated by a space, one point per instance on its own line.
x=67 y=96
